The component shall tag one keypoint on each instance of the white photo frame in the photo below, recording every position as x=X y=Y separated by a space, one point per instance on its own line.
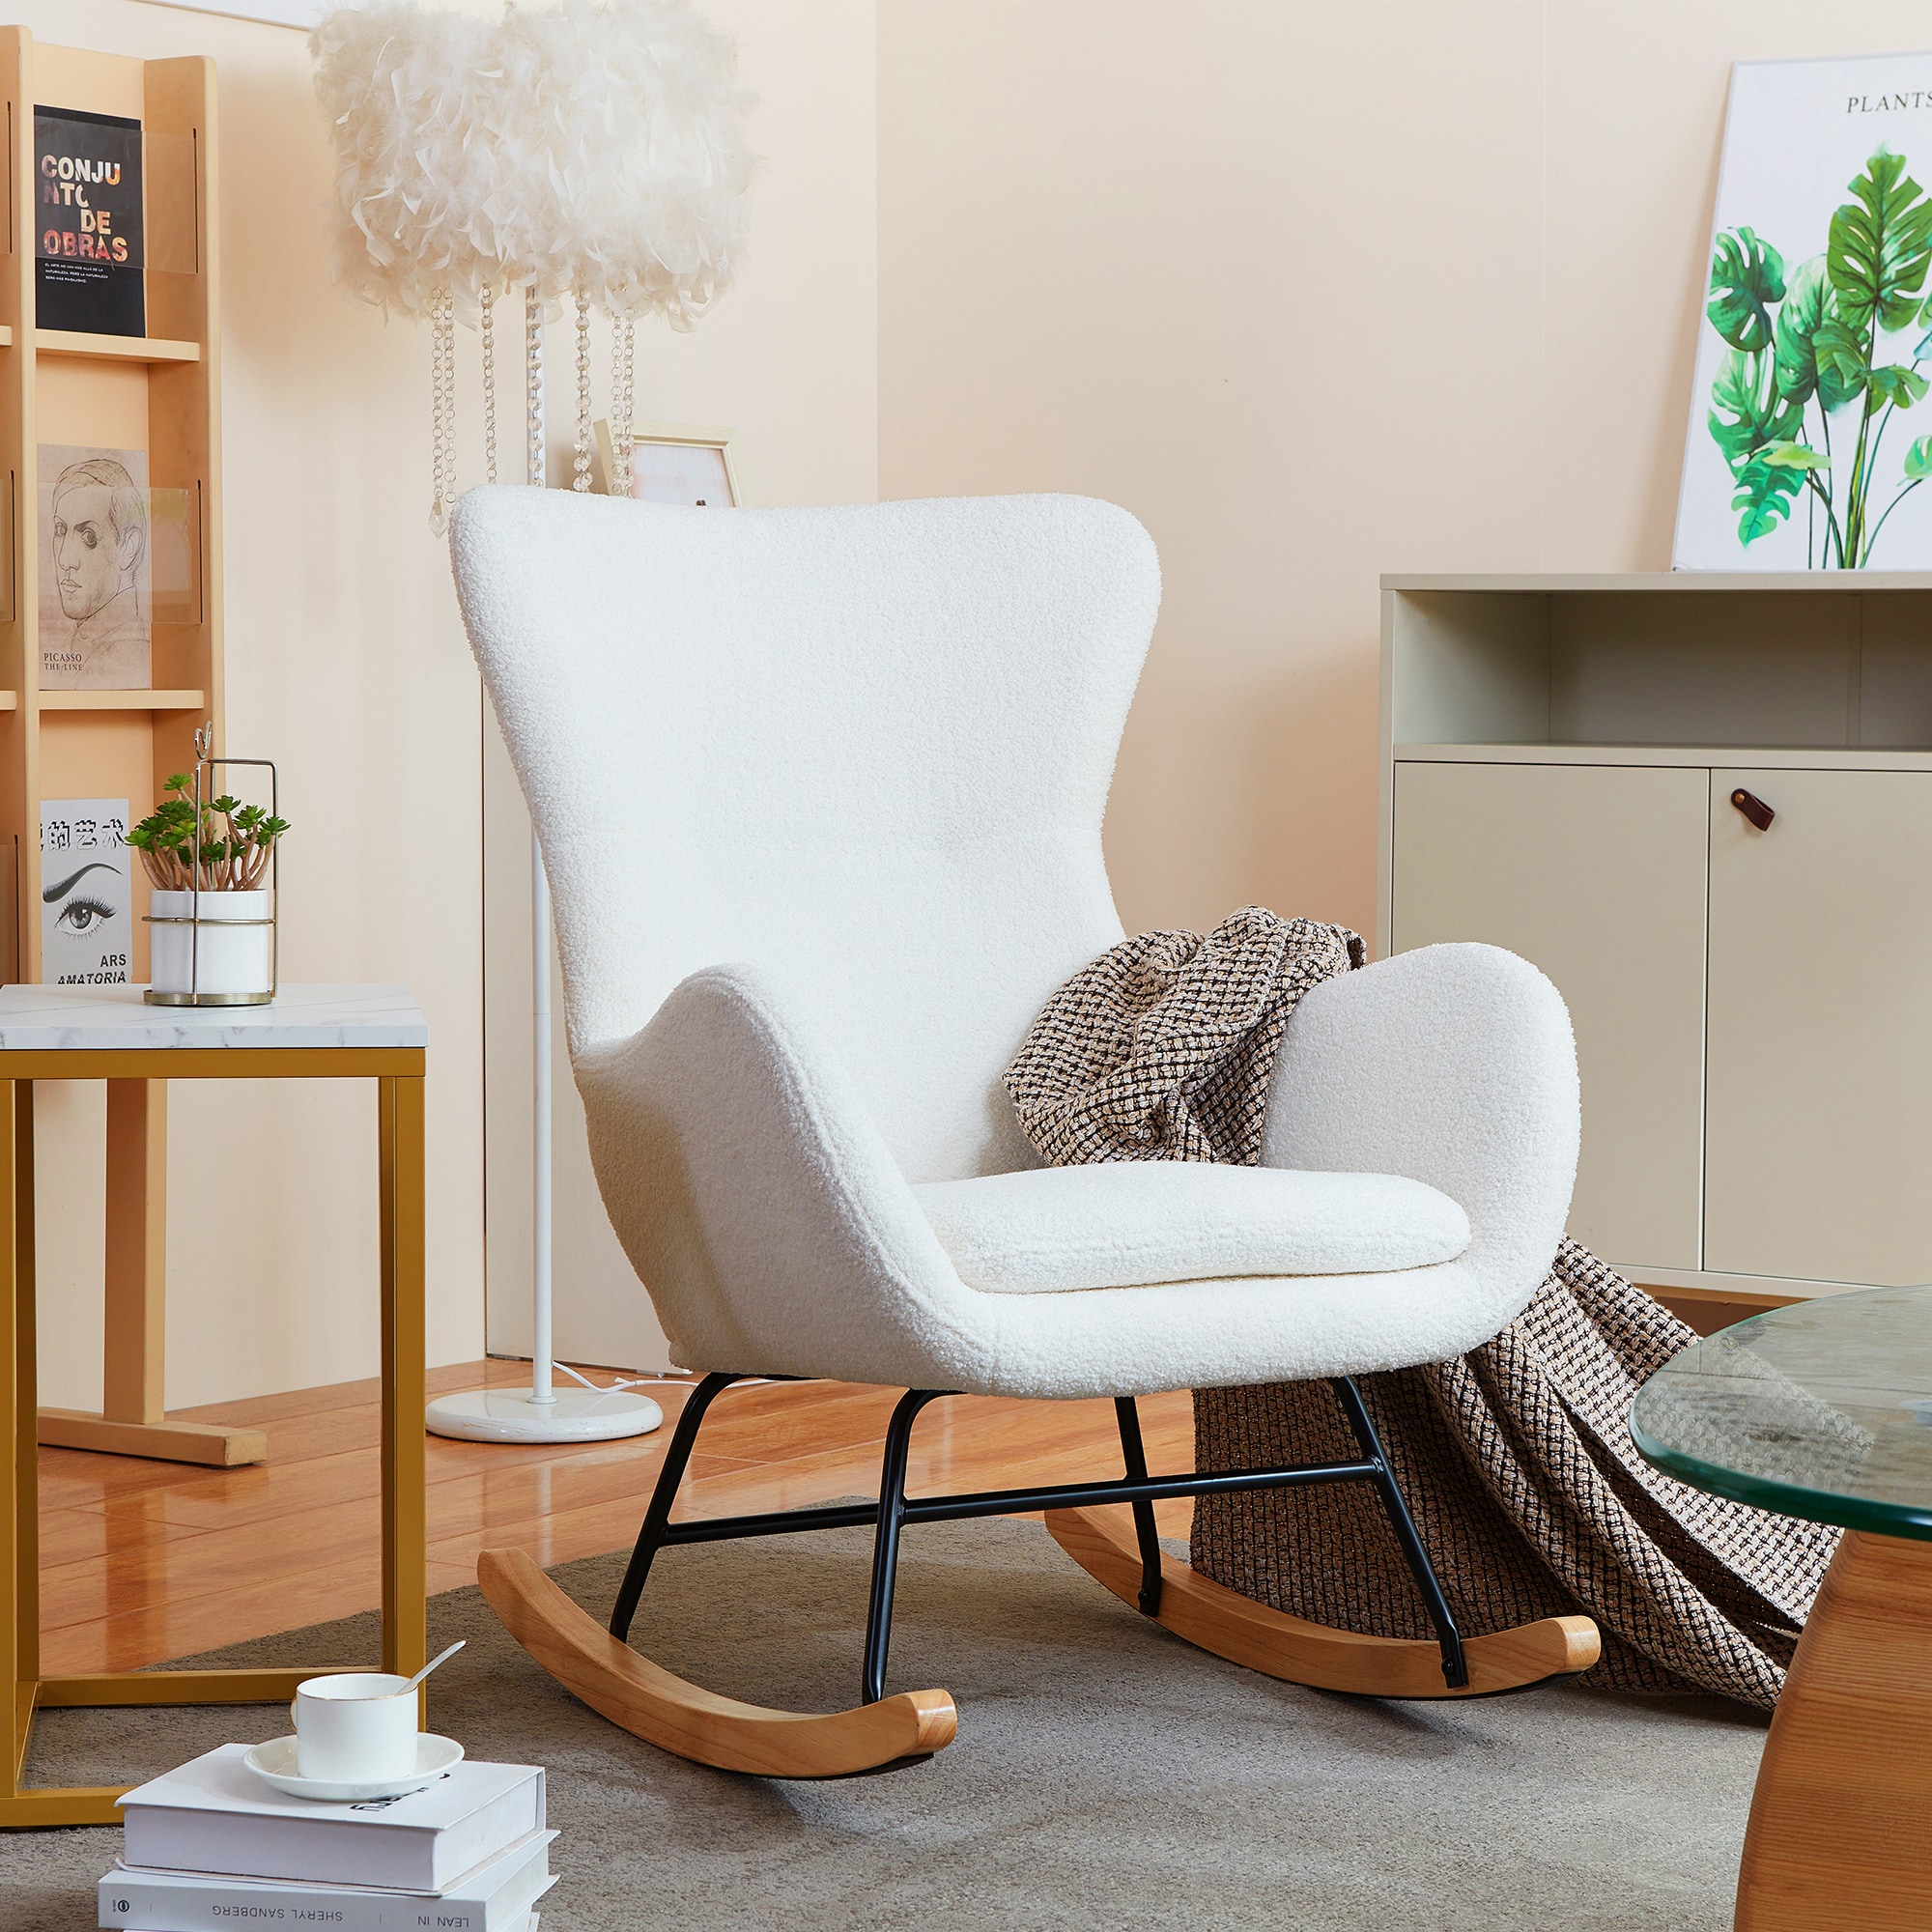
x=675 y=463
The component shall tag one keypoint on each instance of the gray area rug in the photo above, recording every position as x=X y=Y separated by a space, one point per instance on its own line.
x=1105 y=1774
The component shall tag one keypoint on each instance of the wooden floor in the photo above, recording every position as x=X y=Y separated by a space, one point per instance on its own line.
x=142 y=1562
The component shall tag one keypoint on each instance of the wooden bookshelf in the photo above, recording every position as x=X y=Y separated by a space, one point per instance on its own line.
x=158 y=392
x=161 y=393
x=124 y=700
x=115 y=348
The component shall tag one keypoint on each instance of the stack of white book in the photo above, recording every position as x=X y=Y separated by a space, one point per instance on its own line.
x=211 y=1846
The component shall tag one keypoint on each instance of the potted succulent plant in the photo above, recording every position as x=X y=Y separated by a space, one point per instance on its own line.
x=212 y=913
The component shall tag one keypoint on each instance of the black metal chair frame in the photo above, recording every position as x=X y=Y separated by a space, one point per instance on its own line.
x=894 y=1509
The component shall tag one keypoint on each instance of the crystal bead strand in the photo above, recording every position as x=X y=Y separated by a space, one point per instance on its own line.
x=580 y=465
x=449 y=483
x=623 y=335
x=442 y=403
x=533 y=385
x=436 y=415
x=489 y=331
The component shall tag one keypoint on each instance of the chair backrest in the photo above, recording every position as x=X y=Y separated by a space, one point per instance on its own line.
x=864 y=748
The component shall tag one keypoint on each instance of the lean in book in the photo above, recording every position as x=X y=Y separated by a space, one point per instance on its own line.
x=89 y=228
x=215 y=1817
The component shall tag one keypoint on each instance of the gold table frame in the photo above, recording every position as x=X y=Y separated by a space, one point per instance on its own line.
x=398 y=1072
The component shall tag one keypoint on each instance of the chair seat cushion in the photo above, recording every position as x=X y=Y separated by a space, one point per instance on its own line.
x=1128 y=1224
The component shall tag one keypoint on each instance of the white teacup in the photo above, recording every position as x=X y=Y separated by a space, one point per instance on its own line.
x=355 y=1729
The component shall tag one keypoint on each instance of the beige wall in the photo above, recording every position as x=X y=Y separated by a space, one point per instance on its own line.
x=347 y=664
x=1317 y=291
x=791 y=362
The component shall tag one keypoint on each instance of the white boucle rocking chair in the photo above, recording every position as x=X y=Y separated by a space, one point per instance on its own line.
x=820 y=793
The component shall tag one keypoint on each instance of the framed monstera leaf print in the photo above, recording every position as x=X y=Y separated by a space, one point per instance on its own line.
x=1810 y=435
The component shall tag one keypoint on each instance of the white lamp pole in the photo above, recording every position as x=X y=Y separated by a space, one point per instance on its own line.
x=445 y=165
x=541 y=1394
x=539 y=1414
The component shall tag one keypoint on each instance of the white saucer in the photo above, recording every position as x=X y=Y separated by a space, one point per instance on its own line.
x=274 y=1762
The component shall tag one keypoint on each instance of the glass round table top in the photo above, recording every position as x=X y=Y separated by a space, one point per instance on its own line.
x=1822 y=1410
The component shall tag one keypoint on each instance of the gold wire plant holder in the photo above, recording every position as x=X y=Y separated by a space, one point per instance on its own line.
x=205 y=762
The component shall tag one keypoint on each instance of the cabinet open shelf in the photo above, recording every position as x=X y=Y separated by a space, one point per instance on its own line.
x=1832 y=659
x=113 y=348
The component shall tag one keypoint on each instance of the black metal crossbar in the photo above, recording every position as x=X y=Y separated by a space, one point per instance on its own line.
x=894 y=1509
x=1011 y=1502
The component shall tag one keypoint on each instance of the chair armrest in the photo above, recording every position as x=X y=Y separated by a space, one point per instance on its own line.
x=757 y=1201
x=1454 y=1066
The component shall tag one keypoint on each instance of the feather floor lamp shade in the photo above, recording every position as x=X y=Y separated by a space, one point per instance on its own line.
x=593 y=151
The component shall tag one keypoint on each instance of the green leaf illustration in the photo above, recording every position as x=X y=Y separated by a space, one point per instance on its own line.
x=1748 y=417
x=1811 y=304
x=1795 y=456
x=1764 y=497
x=1842 y=359
x=1747 y=276
x=1896 y=384
x=1818 y=331
x=1880 y=242
x=1742 y=420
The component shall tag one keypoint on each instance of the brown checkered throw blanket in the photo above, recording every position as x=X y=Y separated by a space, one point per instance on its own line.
x=1516 y=1460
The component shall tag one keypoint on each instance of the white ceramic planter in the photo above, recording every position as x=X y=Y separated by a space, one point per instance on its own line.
x=236 y=960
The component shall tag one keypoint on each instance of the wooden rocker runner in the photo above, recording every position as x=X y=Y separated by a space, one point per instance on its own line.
x=819 y=794
x=600 y=1668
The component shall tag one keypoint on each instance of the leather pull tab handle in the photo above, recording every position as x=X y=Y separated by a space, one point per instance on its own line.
x=1753 y=808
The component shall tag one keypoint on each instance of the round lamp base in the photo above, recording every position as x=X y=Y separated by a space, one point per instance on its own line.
x=576 y=1416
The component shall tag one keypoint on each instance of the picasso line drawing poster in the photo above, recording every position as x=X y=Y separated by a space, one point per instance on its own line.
x=1810 y=435
x=94 y=574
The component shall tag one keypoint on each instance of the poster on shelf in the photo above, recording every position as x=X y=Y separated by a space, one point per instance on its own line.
x=94 y=568
x=89 y=232
x=87 y=911
x=1810 y=435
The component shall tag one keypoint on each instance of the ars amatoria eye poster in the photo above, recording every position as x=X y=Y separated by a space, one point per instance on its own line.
x=87 y=920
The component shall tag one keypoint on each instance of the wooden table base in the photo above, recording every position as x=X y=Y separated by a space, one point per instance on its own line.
x=1840 y=1832
x=133 y=1372
x=159 y=1440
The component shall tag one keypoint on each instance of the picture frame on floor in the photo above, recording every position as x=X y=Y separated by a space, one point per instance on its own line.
x=675 y=463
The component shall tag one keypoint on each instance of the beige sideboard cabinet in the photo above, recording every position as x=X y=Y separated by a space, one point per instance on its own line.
x=1574 y=767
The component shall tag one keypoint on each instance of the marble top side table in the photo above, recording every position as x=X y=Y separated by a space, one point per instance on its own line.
x=110 y=1034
